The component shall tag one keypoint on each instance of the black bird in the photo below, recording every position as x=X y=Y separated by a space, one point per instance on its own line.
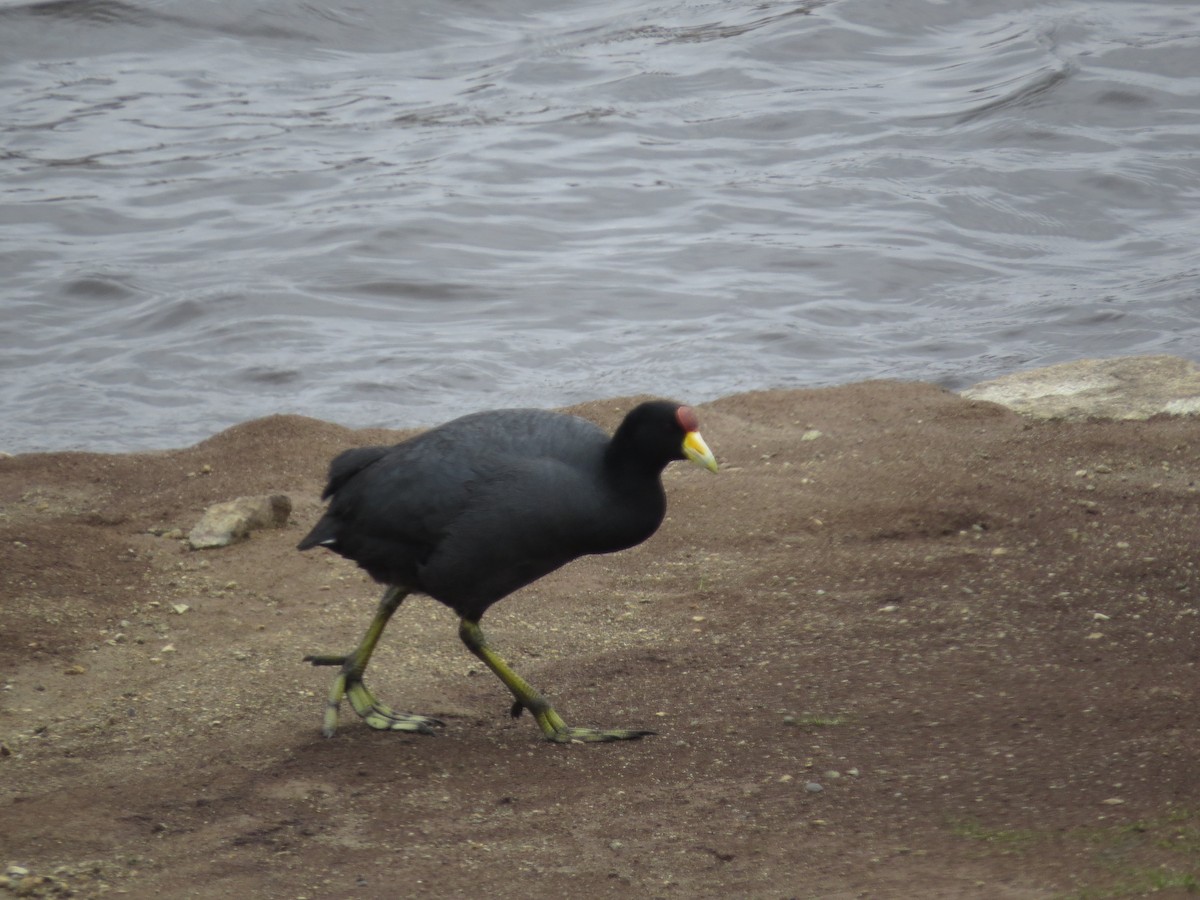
x=472 y=510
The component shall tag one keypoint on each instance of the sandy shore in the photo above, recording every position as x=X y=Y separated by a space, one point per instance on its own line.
x=904 y=644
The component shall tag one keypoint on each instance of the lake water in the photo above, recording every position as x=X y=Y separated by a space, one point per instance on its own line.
x=390 y=212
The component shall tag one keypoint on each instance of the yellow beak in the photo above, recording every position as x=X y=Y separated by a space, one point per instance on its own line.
x=697 y=451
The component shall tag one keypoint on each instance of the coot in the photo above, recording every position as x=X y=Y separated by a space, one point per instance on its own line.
x=472 y=510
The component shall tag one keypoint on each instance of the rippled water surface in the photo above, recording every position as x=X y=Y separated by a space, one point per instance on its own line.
x=395 y=211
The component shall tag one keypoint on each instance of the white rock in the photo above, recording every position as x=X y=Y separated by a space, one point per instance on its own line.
x=1130 y=387
x=226 y=523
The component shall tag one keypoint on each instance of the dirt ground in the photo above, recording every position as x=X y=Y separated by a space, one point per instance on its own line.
x=902 y=645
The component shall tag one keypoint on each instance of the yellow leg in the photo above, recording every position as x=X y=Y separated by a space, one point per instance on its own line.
x=349 y=682
x=552 y=725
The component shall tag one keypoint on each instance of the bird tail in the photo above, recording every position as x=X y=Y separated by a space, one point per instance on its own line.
x=343 y=468
x=324 y=533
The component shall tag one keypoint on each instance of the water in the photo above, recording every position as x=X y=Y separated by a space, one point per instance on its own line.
x=395 y=212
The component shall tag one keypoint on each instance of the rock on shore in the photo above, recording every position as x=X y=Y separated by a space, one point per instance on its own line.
x=1130 y=387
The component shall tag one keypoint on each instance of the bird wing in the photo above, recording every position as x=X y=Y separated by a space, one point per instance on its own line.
x=522 y=521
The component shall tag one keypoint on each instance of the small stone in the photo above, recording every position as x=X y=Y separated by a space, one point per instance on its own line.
x=1100 y=617
x=1113 y=801
x=32 y=886
x=813 y=787
x=75 y=670
x=180 y=608
x=784 y=779
x=811 y=435
x=1095 y=636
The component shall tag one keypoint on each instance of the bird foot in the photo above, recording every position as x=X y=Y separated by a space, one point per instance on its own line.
x=558 y=731
x=379 y=716
x=571 y=735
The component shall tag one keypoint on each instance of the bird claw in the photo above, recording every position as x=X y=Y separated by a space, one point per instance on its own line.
x=377 y=715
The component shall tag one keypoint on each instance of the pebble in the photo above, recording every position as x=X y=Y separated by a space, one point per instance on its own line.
x=813 y=787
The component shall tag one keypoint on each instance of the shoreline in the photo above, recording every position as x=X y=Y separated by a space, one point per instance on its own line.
x=1124 y=387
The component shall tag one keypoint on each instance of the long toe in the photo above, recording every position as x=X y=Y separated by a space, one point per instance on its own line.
x=572 y=735
x=389 y=720
x=384 y=718
x=325 y=660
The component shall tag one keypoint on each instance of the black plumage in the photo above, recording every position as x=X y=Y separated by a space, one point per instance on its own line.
x=475 y=509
